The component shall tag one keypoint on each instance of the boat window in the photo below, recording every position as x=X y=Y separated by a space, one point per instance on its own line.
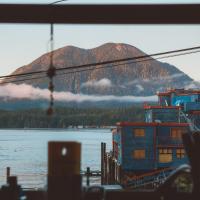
x=176 y=133
x=139 y=154
x=165 y=155
x=180 y=153
x=139 y=132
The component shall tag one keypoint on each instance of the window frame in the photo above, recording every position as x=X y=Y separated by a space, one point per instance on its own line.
x=181 y=154
x=139 y=157
x=165 y=152
x=178 y=134
x=139 y=135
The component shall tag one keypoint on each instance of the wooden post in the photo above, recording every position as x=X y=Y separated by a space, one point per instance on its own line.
x=105 y=172
x=11 y=191
x=88 y=176
x=116 y=168
x=102 y=165
x=7 y=174
x=113 y=171
x=196 y=153
x=191 y=143
x=106 y=169
x=109 y=170
x=64 y=180
x=103 y=156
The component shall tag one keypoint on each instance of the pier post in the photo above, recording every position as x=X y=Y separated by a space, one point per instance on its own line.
x=7 y=174
x=113 y=171
x=88 y=176
x=107 y=168
x=11 y=191
x=64 y=180
x=110 y=171
x=103 y=155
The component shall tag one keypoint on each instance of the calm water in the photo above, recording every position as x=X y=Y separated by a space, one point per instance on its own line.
x=25 y=151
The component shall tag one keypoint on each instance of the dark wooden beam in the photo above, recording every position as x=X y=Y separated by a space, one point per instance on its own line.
x=101 y=14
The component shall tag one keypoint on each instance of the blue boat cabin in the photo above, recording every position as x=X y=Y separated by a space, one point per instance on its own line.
x=143 y=147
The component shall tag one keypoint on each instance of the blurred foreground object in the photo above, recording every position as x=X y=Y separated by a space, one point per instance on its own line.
x=64 y=180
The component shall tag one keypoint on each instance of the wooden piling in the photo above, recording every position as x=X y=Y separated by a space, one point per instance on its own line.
x=103 y=156
x=113 y=171
x=88 y=176
x=7 y=174
x=64 y=180
x=109 y=170
x=106 y=169
x=196 y=152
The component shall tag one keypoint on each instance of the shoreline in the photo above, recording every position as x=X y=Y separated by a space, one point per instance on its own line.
x=59 y=129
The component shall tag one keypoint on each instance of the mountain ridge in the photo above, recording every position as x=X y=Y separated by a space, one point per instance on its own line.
x=139 y=79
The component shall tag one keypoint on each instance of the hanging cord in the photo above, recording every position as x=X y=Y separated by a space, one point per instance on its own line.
x=51 y=72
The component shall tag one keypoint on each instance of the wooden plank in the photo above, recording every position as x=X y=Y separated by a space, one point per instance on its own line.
x=101 y=14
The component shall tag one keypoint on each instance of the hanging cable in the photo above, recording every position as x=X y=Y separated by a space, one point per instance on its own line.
x=55 y=2
x=90 y=67
x=191 y=50
x=51 y=72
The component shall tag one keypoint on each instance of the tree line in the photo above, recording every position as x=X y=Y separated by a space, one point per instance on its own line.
x=70 y=117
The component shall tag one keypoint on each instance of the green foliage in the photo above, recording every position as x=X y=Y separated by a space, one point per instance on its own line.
x=65 y=117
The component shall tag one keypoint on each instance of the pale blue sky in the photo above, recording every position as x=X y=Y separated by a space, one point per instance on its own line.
x=21 y=44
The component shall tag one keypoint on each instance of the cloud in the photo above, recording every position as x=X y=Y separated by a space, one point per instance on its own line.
x=172 y=76
x=192 y=85
x=156 y=80
x=24 y=91
x=101 y=83
x=135 y=81
x=140 y=88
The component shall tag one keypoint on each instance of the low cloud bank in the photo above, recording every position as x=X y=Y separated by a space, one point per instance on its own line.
x=140 y=88
x=101 y=83
x=25 y=91
x=156 y=80
x=192 y=85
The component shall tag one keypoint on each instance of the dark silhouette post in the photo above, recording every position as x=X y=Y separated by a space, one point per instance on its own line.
x=7 y=174
x=64 y=180
x=103 y=155
x=88 y=176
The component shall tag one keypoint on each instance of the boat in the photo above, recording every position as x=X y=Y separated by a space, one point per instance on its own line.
x=145 y=153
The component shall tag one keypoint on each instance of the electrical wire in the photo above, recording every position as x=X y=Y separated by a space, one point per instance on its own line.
x=102 y=63
x=109 y=66
x=55 y=2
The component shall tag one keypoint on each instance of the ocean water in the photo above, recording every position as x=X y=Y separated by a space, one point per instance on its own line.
x=25 y=152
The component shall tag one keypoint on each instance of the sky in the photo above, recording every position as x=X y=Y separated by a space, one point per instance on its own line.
x=21 y=44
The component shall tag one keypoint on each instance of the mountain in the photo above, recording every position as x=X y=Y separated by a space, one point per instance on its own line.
x=136 y=78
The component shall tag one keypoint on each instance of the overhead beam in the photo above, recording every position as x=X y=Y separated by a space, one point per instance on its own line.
x=101 y=14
